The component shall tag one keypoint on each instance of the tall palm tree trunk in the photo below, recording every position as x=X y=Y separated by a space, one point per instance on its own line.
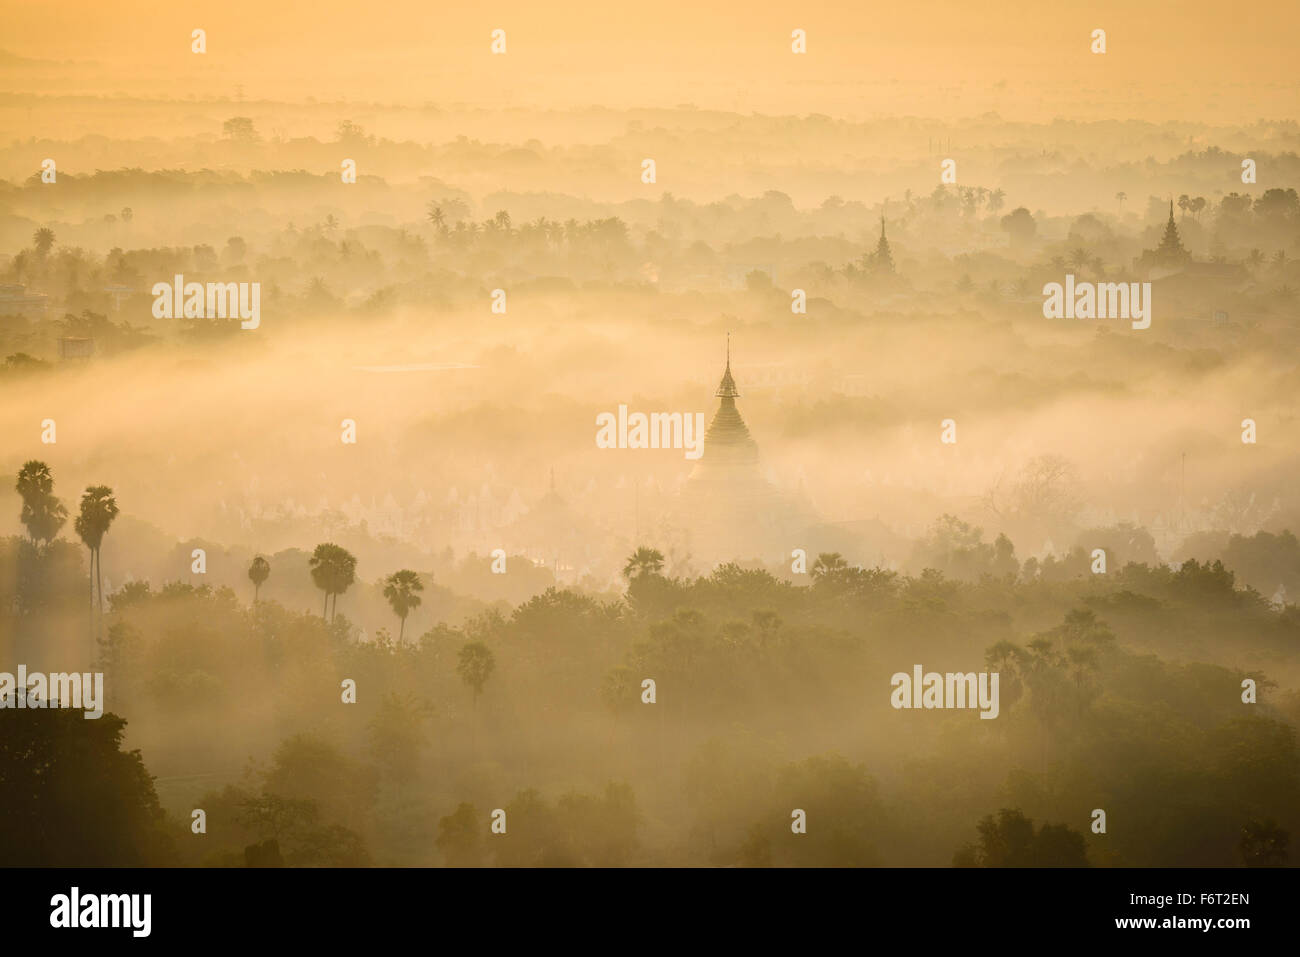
x=91 y=576
x=99 y=583
x=325 y=609
x=401 y=630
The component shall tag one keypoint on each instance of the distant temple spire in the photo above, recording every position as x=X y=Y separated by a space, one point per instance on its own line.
x=727 y=387
x=729 y=508
x=1171 y=248
x=883 y=259
x=727 y=440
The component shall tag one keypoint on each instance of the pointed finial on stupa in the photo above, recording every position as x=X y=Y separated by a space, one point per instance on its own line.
x=727 y=387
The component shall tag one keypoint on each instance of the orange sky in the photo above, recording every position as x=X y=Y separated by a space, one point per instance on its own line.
x=1166 y=59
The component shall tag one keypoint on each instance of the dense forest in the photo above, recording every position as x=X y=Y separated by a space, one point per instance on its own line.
x=1121 y=692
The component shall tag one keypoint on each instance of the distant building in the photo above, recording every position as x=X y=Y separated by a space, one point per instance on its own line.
x=1199 y=290
x=1169 y=256
x=731 y=507
x=16 y=301
x=119 y=292
x=1183 y=288
x=552 y=534
x=72 y=347
x=882 y=260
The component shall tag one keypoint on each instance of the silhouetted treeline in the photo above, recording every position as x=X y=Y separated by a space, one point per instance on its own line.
x=1121 y=692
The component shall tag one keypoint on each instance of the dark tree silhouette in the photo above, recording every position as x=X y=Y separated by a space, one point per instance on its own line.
x=98 y=509
x=333 y=570
x=1009 y=840
x=43 y=514
x=259 y=570
x=72 y=797
x=1020 y=226
x=644 y=561
x=43 y=240
x=475 y=664
x=401 y=591
x=459 y=837
x=830 y=568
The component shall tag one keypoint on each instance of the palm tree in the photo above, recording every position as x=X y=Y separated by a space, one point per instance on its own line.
x=98 y=509
x=320 y=576
x=1080 y=258
x=400 y=590
x=333 y=570
x=346 y=575
x=1119 y=198
x=475 y=664
x=258 y=572
x=43 y=240
x=34 y=480
x=1008 y=660
x=644 y=561
x=437 y=217
x=827 y=565
x=617 y=692
x=42 y=513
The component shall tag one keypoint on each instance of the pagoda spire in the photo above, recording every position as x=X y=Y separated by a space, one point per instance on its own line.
x=1171 y=249
x=882 y=259
x=727 y=387
x=727 y=441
